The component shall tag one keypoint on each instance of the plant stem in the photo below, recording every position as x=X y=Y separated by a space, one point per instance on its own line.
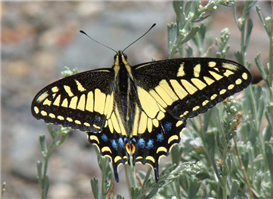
x=44 y=183
x=101 y=189
x=271 y=55
x=3 y=189
x=242 y=168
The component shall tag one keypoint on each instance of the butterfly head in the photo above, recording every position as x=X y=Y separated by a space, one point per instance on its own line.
x=120 y=55
x=120 y=59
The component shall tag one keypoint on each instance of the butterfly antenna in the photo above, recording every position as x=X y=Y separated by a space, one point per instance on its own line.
x=81 y=31
x=140 y=37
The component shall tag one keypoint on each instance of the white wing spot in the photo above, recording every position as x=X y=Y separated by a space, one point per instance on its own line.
x=65 y=103
x=212 y=64
x=228 y=73
x=60 y=117
x=215 y=75
x=52 y=115
x=68 y=90
x=43 y=113
x=188 y=86
x=36 y=109
x=231 y=86
x=73 y=102
x=80 y=87
x=47 y=102
x=78 y=122
x=238 y=81
x=57 y=101
x=213 y=97
x=69 y=119
x=179 y=123
x=55 y=89
x=244 y=76
x=42 y=96
x=208 y=80
x=205 y=102
x=195 y=108
x=198 y=83
x=181 y=71
x=223 y=91
x=197 y=70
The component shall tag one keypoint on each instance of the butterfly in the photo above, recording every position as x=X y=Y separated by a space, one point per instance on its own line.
x=139 y=111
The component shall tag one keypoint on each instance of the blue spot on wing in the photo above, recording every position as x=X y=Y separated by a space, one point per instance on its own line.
x=104 y=138
x=150 y=144
x=141 y=143
x=114 y=144
x=159 y=137
x=168 y=126
x=121 y=143
x=177 y=107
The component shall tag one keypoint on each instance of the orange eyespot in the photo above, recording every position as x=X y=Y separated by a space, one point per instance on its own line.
x=130 y=148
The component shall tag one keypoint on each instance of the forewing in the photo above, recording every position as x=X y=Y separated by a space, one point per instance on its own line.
x=190 y=86
x=82 y=101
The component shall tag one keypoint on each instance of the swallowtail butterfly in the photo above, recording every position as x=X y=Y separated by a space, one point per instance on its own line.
x=139 y=111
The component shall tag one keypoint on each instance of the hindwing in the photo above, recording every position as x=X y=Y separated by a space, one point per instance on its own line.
x=112 y=139
x=153 y=136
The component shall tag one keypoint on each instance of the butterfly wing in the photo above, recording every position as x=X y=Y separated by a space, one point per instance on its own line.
x=75 y=101
x=112 y=140
x=170 y=91
x=190 y=86
x=152 y=137
x=85 y=101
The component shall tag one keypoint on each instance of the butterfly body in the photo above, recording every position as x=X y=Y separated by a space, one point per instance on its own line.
x=139 y=111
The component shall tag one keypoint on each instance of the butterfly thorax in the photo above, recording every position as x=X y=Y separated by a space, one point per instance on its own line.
x=123 y=93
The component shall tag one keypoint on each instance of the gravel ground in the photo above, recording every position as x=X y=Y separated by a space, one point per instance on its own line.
x=38 y=40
